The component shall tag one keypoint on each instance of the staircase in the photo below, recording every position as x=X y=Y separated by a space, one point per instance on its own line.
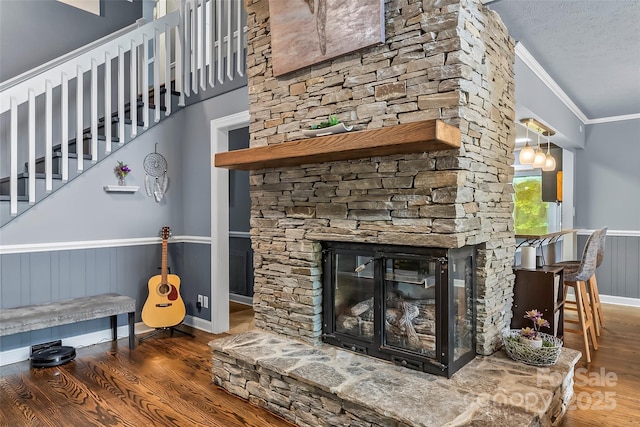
x=66 y=116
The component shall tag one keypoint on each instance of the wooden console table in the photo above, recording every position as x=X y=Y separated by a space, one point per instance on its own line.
x=541 y=289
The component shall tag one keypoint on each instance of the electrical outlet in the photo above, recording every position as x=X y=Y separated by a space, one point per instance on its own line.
x=206 y=302
x=200 y=299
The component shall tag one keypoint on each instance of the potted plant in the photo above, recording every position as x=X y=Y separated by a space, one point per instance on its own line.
x=332 y=121
x=327 y=127
x=121 y=171
x=529 y=345
x=531 y=336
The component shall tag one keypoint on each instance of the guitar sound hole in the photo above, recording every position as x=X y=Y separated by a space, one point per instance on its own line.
x=164 y=289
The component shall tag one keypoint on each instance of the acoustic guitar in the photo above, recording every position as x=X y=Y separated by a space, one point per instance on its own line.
x=164 y=307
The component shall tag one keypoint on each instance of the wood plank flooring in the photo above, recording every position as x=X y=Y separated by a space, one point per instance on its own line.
x=607 y=390
x=166 y=381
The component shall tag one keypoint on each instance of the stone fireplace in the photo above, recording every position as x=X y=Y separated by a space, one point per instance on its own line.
x=450 y=60
x=445 y=61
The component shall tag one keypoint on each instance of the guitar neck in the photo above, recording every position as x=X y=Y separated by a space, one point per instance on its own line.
x=164 y=261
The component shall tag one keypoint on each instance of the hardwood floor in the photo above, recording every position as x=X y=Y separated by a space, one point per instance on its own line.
x=607 y=390
x=166 y=381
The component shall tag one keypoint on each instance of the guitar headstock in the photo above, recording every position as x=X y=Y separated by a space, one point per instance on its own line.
x=165 y=233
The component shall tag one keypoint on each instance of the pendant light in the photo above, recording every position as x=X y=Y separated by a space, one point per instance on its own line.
x=550 y=161
x=526 y=154
x=539 y=159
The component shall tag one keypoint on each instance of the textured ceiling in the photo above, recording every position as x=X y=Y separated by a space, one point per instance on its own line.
x=590 y=48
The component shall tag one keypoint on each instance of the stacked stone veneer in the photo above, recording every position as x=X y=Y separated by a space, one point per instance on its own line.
x=326 y=386
x=449 y=60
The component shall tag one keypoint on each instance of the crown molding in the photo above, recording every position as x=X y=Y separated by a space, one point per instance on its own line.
x=613 y=119
x=548 y=81
x=541 y=73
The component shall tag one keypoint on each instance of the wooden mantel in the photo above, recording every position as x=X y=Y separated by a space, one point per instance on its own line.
x=417 y=137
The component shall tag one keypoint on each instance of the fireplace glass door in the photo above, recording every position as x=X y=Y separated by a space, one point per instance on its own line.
x=353 y=295
x=412 y=306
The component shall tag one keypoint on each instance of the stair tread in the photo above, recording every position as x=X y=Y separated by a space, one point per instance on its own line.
x=39 y=175
x=127 y=121
x=86 y=135
x=102 y=137
x=57 y=152
x=6 y=198
x=151 y=106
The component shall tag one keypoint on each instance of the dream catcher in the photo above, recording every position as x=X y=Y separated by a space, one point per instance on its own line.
x=156 y=180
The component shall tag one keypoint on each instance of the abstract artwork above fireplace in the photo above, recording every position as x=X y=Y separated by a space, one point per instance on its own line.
x=306 y=32
x=413 y=306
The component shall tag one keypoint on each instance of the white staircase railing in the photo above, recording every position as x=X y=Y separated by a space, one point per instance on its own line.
x=202 y=46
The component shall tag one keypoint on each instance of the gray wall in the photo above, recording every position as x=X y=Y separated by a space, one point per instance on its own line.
x=33 y=278
x=607 y=186
x=535 y=99
x=619 y=273
x=196 y=157
x=197 y=164
x=607 y=193
x=606 y=180
x=82 y=210
x=24 y=24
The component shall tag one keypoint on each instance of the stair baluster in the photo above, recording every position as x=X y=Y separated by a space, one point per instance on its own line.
x=107 y=103
x=186 y=39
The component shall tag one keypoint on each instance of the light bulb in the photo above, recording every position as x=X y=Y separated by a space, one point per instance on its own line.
x=549 y=163
x=539 y=159
x=526 y=155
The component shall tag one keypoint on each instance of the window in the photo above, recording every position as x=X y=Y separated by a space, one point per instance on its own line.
x=531 y=214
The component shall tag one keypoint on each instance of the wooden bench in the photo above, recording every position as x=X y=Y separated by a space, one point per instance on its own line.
x=42 y=316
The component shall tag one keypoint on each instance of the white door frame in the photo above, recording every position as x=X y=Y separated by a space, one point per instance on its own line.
x=220 y=220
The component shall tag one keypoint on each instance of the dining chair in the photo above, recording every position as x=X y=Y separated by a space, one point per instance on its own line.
x=576 y=279
x=592 y=283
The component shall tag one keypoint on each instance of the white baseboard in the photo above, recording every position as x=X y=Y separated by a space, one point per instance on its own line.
x=610 y=299
x=241 y=299
x=20 y=354
x=198 y=323
x=78 y=341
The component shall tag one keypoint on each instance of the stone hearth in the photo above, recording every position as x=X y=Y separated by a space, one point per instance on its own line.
x=325 y=386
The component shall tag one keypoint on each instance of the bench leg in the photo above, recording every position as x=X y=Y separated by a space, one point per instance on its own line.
x=114 y=327
x=132 y=335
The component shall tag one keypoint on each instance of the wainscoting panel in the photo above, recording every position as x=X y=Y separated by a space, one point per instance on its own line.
x=195 y=273
x=40 y=277
x=240 y=266
x=619 y=273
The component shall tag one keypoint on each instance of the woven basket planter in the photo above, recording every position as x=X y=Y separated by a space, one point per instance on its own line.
x=544 y=356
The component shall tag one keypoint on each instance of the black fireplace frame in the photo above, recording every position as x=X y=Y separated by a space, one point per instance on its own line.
x=443 y=363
